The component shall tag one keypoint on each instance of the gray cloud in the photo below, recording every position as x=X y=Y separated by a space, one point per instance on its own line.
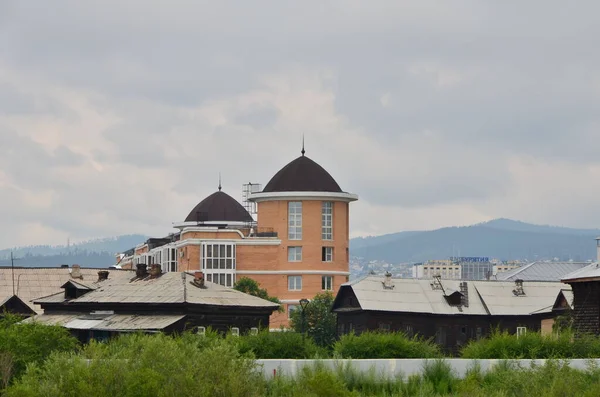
x=117 y=117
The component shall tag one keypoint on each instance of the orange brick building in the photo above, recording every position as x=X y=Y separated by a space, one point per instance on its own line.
x=297 y=247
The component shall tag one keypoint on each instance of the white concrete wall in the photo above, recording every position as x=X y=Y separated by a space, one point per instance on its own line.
x=389 y=368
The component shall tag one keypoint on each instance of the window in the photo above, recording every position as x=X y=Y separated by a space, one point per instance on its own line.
x=327 y=220
x=327 y=254
x=295 y=283
x=327 y=283
x=291 y=308
x=521 y=331
x=294 y=254
x=384 y=327
x=295 y=220
x=168 y=260
x=219 y=263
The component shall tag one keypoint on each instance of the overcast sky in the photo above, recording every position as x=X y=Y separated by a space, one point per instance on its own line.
x=117 y=116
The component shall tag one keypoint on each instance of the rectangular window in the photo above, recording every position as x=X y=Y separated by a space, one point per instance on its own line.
x=327 y=283
x=327 y=254
x=168 y=259
x=291 y=309
x=219 y=263
x=294 y=254
x=521 y=331
x=327 y=220
x=295 y=220
x=295 y=283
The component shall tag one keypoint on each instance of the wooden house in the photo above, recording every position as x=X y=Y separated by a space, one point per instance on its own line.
x=451 y=312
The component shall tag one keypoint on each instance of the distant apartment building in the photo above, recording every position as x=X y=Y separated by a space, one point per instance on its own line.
x=461 y=268
x=297 y=247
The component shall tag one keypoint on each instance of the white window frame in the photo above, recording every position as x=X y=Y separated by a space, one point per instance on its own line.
x=328 y=257
x=294 y=283
x=168 y=259
x=295 y=220
x=219 y=262
x=327 y=283
x=295 y=254
x=327 y=220
x=521 y=331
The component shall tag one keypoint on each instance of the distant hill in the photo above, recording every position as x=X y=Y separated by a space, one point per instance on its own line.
x=501 y=238
x=92 y=253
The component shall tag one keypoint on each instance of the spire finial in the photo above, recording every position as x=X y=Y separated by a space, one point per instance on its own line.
x=303 y=151
x=219 y=181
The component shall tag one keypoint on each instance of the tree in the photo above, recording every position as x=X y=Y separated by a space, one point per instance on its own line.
x=320 y=323
x=251 y=287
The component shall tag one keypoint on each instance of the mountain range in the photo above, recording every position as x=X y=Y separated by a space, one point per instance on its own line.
x=503 y=239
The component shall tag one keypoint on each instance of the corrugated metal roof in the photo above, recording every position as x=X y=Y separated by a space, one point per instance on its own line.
x=485 y=297
x=591 y=271
x=34 y=282
x=542 y=271
x=113 y=322
x=169 y=288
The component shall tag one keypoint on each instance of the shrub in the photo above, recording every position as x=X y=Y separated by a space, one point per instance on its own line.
x=502 y=345
x=144 y=365
x=282 y=345
x=385 y=345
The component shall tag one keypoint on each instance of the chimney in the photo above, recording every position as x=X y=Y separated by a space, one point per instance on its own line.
x=464 y=290
x=155 y=270
x=519 y=291
x=198 y=279
x=387 y=281
x=76 y=272
x=598 y=249
x=103 y=275
x=141 y=270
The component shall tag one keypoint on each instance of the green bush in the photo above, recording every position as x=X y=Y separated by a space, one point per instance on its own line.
x=502 y=345
x=277 y=345
x=385 y=345
x=144 y=365
x=21 y=344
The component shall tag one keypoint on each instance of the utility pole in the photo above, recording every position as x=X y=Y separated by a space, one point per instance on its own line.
x=12 y=266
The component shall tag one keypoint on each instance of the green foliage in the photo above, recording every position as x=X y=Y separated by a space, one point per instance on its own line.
x=144 y=365
x=502 y=345
x=385 y=345
x=284 y=345
x=252 y=287
x=320 y=323
x=22 y=344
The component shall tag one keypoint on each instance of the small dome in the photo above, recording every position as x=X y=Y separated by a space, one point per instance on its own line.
x=302 y=175
x=218 y=207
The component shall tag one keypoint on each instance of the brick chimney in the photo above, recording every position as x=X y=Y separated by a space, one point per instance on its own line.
x=155 y=270
x=464 y=290
x=198 y=279
x=76 y=272
x=103 y=275
x=141 y=270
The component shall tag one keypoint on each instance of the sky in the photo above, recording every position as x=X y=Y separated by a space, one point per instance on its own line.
x=116 y=117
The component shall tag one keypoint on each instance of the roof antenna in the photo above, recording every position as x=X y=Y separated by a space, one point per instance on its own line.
x=219 y=181
x=303 y=151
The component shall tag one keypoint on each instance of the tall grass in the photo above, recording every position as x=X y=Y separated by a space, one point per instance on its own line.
x=502 y=345
x=384 y=345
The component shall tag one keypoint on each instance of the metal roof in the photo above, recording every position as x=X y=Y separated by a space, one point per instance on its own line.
x=541 y=271
x=588 y=273
x=485 y=297
x=172 y=287
x=111 y=322
x=34 y=282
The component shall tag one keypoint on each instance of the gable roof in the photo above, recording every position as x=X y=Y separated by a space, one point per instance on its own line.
x=541 y=271
x=35 y=282
x=485 y=297
x=172 y=287
x=588 y=273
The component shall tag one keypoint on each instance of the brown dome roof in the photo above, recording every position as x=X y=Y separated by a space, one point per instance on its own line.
x=302 y=175
x=217 y=207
